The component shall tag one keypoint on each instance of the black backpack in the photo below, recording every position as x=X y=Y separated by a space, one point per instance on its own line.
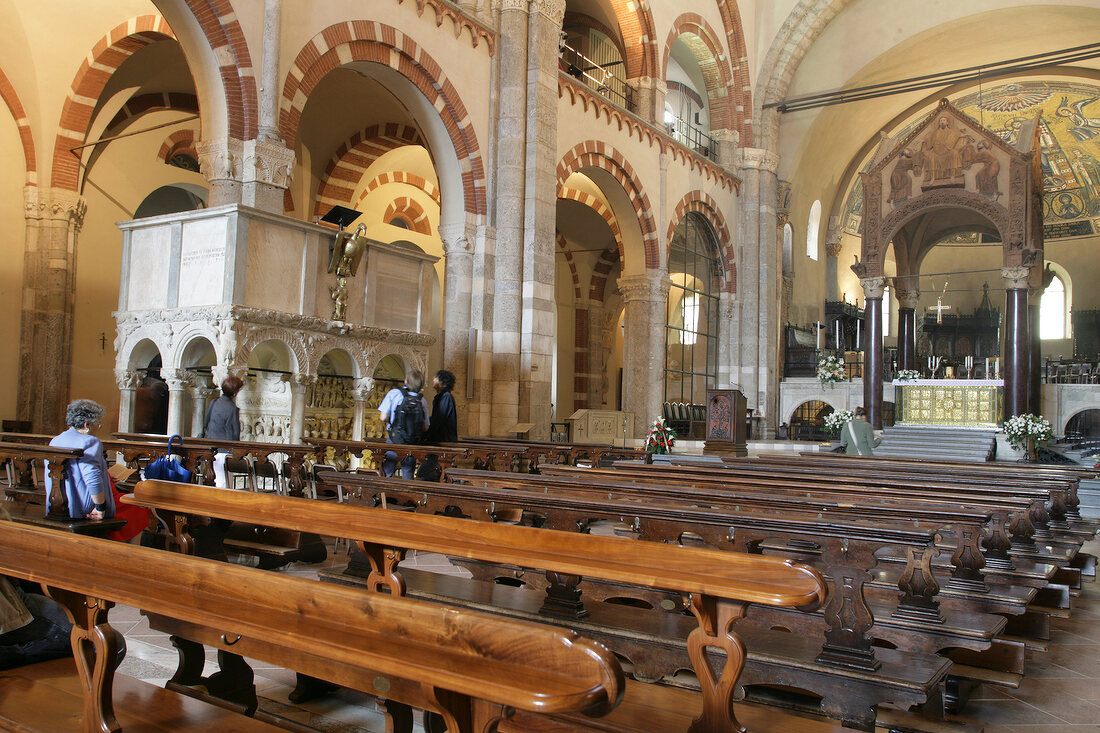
x=407 y=424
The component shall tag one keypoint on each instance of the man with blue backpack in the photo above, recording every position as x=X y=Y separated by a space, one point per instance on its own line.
x=404 y=412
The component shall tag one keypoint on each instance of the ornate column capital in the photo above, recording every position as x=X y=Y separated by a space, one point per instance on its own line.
x=360 y=388
x=299 y=382
x=127 y=378
x=758 y=159
x=552 y=10
x=907 y=298
x=783 y=203
x=1015 y=277
x=653 y=286
x=457 y=238
x=176 y=379
x=54 y=204
x=873 y=287
x=221 y=160
x=266 y=161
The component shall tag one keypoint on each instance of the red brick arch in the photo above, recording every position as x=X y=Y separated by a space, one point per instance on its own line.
x=219 y=24
x=701 y=203
x=409 y=211
x=741 y=85
x=361 y=40
x=597 y=205
x=639 y=37
x=181 y=141
x=143 y=104
x=26 y=136
x=707 y=49
x=409 y=179
x=570 y=262
x=352 y=159
x=597 y=154
x=106 y=56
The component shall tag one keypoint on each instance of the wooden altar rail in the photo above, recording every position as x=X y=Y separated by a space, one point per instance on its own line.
x=850 y=676
x=470 y=667
x=718 y=584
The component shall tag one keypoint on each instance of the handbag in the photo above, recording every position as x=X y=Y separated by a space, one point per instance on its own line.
x=165 y=469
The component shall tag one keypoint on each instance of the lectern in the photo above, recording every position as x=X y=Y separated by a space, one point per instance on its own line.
x=726 y=429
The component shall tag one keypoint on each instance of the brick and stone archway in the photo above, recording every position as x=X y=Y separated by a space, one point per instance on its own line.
x=705 y=47
x=702 y=204
x=219 y=24
x=601 y=208
x=180 y=141
x=410 y=212
x=600 y=155
x=106 y=56
x=26 y=136
x=379 y=43
x=352 y=159
x=740 y=88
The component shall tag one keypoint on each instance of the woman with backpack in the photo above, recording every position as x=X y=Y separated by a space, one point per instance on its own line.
x=404 y=412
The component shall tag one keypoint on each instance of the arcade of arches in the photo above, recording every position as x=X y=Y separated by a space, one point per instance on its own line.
x=570 y=203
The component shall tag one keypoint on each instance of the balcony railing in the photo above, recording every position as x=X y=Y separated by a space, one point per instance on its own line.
x=691 y=136
x=598 y=78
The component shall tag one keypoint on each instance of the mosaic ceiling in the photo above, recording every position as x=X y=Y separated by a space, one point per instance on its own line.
x=1070 y=139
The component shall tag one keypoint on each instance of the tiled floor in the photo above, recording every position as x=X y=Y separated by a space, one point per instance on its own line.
x=1060 y=693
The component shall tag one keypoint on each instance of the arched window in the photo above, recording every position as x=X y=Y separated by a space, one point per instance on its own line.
x=691 y=353
x=788 y=248
x=886 y=308
x=1052 y=311
x=813 y=230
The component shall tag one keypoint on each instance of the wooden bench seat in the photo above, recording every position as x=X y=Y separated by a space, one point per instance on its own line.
x=468 y=667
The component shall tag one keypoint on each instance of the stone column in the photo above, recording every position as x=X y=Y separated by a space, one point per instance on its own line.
x=645 y=298
x=128 y=381
x=832 y=252
x=458 y=286
x=1035 y=355
x=649 y=99
x=266 y=174
x=178 y=381
x=360 y=388
x=873 y=288
x=268 y=128
x=597 y=357
x=907 y=327
x=758 y=281
x=53 y=221
x=727 y=142
x=298 y=384
x=201 y=393
x=1017 y=341
x=221 y=162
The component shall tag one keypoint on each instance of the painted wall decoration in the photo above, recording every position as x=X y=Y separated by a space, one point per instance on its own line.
x=1070 y=137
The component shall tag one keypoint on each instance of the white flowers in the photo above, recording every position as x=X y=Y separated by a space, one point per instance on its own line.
x=905 y=375
x=835 y=421
x=660 y=437
x=831 y=370
x=1018 y=429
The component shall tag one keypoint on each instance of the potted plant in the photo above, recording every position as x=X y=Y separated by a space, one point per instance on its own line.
x=830 y=370
x=836 y=420
x=1028 y=432
x=906 y=375
x=660 y=437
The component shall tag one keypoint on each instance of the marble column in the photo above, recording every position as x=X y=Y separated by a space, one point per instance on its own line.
x=873 y=288
x=907 y=328
x=54 y=218
x=1035 y=355
x=178 y=381
x=360 y=388
x=128 y=381
x=759 y=275
x=221 y=162
x=1017 y=341
x=298 y=385
x=201 y=394
x=268 y=128
x=649 y=99
x=458 y=267
x=645 y=299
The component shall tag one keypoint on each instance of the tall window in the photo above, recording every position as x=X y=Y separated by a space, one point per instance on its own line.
x=813 y=230
x=1052 y=311
x=691 y=335
x=886 y=305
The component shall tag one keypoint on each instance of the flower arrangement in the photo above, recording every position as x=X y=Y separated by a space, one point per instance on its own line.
x=906 y=375
x=835 y=421
x=1022 y=428
x=660 y=437
x=830 y=370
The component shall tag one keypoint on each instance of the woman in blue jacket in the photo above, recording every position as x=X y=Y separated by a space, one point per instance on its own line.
x=87 y=487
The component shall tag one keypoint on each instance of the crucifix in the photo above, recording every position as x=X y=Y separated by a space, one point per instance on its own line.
x=939 y=307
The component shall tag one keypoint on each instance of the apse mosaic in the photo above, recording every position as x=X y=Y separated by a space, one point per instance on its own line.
x=1070 y=147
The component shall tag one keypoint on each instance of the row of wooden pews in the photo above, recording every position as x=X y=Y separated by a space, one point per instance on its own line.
x=716 y=586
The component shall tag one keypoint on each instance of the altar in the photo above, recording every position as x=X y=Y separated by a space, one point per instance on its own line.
x=955 y=402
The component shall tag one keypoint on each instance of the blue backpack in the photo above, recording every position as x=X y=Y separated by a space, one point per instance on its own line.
x=407 y=425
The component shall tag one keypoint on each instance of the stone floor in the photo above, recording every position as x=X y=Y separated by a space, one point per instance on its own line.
x=1060 y=693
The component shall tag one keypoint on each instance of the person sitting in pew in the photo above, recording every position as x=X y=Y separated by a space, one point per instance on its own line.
x=857 y=437
x=87 y=484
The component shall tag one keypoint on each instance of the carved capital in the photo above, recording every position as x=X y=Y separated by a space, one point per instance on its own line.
x=507 y=5
x=267 y=162
x=457 y=239
x=873 y=287
x=220 y=159
x=1015 y=277
x=552 y=10
x=652 y=287
x=127 y=378
x=54 y=204
x=176 y=379
x=758 y=159
x=907 y=298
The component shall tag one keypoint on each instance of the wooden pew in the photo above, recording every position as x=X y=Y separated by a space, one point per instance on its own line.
x=847 y=550
x=469 y=667
x=719 y=584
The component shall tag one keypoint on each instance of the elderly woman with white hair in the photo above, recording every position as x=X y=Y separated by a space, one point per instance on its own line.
x=87 y=484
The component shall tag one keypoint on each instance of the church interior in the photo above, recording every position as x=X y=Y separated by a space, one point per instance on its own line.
x=594 y=214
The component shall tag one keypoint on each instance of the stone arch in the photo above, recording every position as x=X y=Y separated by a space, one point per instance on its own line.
x=600 y=273
x=838 y=402
x=594 y=203
x=26 y=135
x=597 y=154
x=702 y=204
x=180 y=141
x=140 y=351
x=143 y=104
x=382 y=44
x=639 y=37
x=106 y=56
x=353 y=351
x=352 y=159
x=255 y=337
x=410 y=212
x=707 y=49
x=571 y=262
x=219 y=24
x=408 y=354
x=405 y=177
x=187 y=342
x=740 y=89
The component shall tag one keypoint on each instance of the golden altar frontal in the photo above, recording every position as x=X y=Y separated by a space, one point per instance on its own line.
x=956 y=402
